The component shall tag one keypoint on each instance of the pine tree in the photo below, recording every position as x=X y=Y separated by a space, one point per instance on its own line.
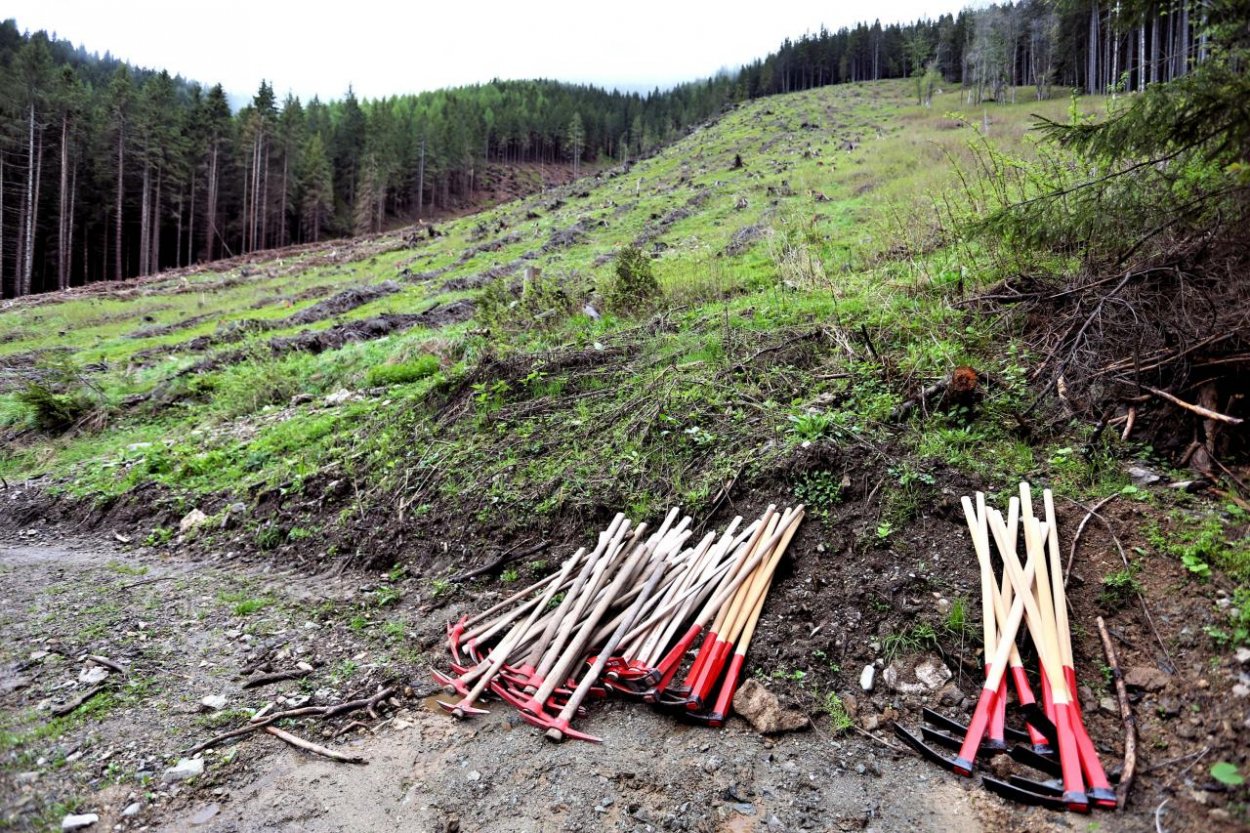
x=576 y=138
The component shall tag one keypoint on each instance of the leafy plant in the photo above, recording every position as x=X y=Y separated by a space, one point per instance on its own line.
x=489 y=397
x=1236 y=631
x=1227 y=774
x=911 y=641
x=820 y=491
x=269 y=536
x=1120 y=587
x=811 y=425
x=839 y=718
x=386 y=595
x=957 y=618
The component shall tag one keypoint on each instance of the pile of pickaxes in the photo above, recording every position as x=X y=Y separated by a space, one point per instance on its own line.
x=621 y=619
x=1059 y=745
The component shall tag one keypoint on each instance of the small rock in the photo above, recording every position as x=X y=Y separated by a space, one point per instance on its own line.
x=764 y=711
x=590 y=310
x=933 y=673
x=303 y=666
x=1001 y=766
x=35 y=656
x=867 y=677
x=184 y=769
x=301 y=399
x=474 y=775
x=871 y=722
x=1145 y=678
x=1169 y=707
x=191 y=521
x=1108 y=706
x=214 y=702
x=93 y=674
x=78 y=822
x=744 y=808
x=132 y=809
x=1141 y=476
x=950 y=695
x=338 y=397
x=205 y=815
x=1243 y=655
x=233 y=515
x=1241 y=690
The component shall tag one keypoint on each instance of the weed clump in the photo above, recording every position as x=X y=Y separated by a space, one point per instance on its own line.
x=403 y=373
x=633 y=285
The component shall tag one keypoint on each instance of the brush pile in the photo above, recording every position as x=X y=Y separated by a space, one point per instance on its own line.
x=1032 y=592
x=621 y=619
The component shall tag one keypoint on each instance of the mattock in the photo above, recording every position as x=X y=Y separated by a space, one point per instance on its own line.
x=963 y=762
x=558 y=728
x=755 y=606
x=1045 y=638
x=1099 y=786
x=500 y=654
x=748 y=557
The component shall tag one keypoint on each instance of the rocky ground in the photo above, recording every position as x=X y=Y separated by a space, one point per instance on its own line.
x=183 y=630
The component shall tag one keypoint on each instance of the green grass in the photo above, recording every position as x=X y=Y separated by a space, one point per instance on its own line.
x=242 y=603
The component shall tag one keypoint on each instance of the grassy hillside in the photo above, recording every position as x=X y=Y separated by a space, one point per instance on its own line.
x=824 y=243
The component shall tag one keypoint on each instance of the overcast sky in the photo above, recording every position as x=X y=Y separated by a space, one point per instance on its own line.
x=384 y=48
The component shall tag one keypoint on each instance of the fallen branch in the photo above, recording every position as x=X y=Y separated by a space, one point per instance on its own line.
x=107 y=663
x=1126 y=716
x=276 y=677
x=142 y=582
x=304 y=711
x=510 y=555
x=313 y=747
x=1205 y=413
x=62 y=710
x=1076 y=539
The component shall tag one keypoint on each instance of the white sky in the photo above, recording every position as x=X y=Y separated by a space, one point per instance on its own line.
x=400 y=47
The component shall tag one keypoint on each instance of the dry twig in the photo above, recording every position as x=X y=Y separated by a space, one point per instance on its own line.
x=107 y=663
x=276 y=677
x=304 y=711
x=62 y=710
x=313 y=747
x=1126 y=716
x=1205 y=413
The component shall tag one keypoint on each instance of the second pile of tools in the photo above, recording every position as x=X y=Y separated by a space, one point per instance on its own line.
x=622 y=618
x=1031 y=593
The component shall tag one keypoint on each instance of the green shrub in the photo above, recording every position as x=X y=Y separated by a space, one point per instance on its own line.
x=53 y=411
x=58 y=401
x=633 y=286
x=403 y=373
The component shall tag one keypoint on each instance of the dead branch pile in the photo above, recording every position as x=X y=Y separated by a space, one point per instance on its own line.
x=1159 y=351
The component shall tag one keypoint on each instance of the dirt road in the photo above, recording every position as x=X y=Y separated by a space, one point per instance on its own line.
x=181 y=630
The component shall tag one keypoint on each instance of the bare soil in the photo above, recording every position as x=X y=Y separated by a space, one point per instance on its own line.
x=172 y=615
